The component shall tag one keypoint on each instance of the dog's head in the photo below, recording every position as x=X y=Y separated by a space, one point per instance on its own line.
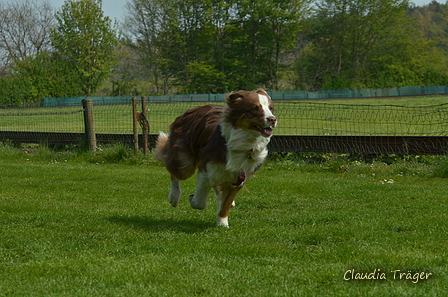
x=251 y=111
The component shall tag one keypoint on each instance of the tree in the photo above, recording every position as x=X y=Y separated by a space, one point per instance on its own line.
x=13 y=91
x=350 y=40
x=215 y=45
x=47 y=74
x=270 y=30
x=433 y=22
x=144 y=28
x=87 y=39
x=24 y=30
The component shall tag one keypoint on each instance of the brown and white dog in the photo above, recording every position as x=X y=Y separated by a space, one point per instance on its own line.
x=226 y=144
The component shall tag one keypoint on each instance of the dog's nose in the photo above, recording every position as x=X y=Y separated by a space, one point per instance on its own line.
x=272 y=121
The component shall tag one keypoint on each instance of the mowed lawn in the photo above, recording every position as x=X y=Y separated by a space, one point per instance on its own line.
x=77 y=227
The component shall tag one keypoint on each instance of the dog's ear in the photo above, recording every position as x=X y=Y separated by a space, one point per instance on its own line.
x=263 y=92
x=232 y=98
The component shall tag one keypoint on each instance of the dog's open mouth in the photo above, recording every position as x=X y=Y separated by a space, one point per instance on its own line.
x=264 y=131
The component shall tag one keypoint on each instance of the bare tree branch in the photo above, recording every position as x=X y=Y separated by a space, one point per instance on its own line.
x=24 y=29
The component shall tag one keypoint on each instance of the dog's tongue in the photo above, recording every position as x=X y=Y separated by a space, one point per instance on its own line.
x=267 y=131
x=264 y=131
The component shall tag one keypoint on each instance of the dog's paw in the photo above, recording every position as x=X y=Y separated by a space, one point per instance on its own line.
x=197 y=203
x=222 y=222
x=174 y=200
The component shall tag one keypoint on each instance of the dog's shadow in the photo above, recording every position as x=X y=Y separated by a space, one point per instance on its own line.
x=149 y=224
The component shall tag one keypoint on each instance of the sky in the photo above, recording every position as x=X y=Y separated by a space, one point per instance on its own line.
x=112 y=8
x=115 y=8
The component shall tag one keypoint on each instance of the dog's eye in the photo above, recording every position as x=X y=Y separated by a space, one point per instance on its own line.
x=255 y=108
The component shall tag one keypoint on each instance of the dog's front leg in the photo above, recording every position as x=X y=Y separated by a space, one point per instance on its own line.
x=226 y=198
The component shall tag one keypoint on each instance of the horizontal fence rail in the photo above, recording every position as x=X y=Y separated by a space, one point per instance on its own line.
x=302 y=126
x=366 y=145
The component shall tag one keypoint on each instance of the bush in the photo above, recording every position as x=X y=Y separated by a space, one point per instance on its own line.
x=442 y=169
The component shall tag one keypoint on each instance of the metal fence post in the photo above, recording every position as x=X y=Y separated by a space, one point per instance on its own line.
x=89 y=124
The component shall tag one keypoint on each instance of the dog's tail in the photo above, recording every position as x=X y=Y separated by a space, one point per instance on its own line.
x=160 y=152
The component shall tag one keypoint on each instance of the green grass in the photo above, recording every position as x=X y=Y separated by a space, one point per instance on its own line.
x=85 y=224
x=325 y=117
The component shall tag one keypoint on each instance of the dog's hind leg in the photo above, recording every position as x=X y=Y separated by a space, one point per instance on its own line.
x=175 y=191
x=200 y=197
x=181 y=166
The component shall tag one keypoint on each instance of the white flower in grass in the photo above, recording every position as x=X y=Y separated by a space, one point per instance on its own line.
x=387 y=181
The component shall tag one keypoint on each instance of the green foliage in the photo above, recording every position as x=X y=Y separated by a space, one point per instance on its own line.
x=365 y=165
x=111 y=154
x=417 y=63
x=48 y=75
x=431 y=20
x=442 y=169
x=387 y=50
x=105 y=154
x=204 y=79
x=87 y=39
x=351 y=40
x=221 y=45
x=14 y=91
x=215 y=46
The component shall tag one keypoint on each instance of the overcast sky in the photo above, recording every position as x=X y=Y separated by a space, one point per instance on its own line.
x=115 y=8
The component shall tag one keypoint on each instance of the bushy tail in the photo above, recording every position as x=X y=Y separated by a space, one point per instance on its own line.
x=160 y=152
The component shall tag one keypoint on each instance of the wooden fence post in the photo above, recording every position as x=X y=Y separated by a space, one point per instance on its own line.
x=89 y=124
x=135 y=123
x=145 y=126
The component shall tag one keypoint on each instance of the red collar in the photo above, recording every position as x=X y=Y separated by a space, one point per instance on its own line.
x=241 y=179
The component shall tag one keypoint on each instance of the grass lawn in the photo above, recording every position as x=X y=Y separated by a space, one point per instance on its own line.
x=90 y=225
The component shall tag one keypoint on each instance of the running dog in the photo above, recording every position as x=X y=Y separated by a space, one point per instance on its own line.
x=226 y=144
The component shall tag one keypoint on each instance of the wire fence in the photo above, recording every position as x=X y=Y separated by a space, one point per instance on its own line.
x=311 y=118
x=294 y=118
